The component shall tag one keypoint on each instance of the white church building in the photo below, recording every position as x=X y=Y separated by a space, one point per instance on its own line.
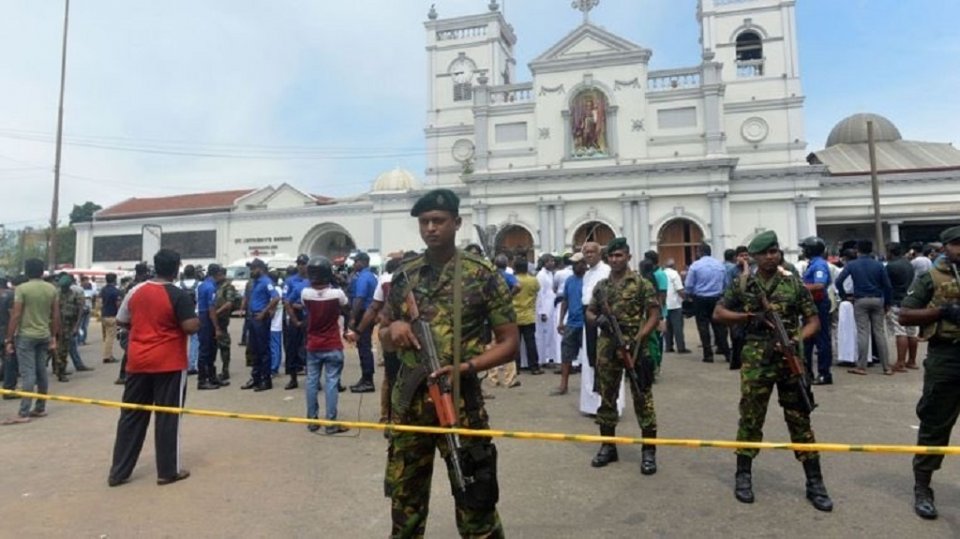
x=594 y=144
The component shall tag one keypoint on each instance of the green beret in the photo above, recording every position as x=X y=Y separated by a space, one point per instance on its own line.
x=762 y=242
x=438 y=199
x=950 y=234
x=618 y=244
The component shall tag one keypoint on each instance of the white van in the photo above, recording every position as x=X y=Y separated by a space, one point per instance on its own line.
x=239 y=273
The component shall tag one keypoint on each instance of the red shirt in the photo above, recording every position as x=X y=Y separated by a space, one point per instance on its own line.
x=323 y=308
x=154 y=311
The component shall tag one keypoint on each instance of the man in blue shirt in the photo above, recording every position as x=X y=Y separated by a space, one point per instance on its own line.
x=293 y=329
x=501 y=262
x=816 y=279
x=872 y=294
x=207 y=376
x=706 y=280
x=571 y=308
x=264 y=298
x=364 y=285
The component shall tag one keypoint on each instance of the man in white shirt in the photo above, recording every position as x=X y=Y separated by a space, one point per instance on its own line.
x=597 y=270
x=674 y=331
x=546 y=325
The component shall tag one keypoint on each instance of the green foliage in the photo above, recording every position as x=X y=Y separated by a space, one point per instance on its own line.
x=84 y=213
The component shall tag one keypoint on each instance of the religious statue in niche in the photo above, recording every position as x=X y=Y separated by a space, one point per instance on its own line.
x=589 y=117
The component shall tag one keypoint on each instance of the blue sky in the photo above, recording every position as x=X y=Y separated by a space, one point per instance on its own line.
x=215 y=94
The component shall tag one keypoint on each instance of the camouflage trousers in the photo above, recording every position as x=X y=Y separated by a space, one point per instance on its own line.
x=609 y=375
x=64 y=340
x=224 y=342
x=757 y=378
x=410 y=468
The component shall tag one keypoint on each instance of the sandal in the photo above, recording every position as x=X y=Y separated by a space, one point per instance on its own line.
x=861 y=372
x=887 y=372
x=16 y=420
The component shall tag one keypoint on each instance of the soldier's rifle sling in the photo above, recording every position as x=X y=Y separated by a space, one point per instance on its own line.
x=783 y=338
x=457 y=330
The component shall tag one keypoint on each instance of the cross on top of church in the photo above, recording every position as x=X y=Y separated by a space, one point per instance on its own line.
x=585 y=6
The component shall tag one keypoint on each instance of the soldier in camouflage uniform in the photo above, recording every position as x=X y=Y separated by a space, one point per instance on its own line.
x=764 y=365
x=633 y=300
x=71 y=308
x=934 y=304
x=486 y=304
x=225 y=301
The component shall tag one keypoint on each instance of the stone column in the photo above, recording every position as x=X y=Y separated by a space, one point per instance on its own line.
x=481 y=107
x=560 y=233
x=479 y=218
x=717 y=231
x=543 y=232
x=627 y=228
x=801 y=206
x=894 y=231
x=643 y=224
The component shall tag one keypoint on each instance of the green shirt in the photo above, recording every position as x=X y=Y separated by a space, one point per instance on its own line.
x=629 y=298
x=525 y=300
x=785 y=292
x=486 y=303
x=37 y=298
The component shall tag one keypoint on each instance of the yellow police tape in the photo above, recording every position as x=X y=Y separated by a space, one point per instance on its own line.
x=543 y=436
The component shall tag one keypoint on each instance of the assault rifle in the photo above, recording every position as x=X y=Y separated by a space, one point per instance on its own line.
x=441 y=393
x=623 y=353
x=793 y=361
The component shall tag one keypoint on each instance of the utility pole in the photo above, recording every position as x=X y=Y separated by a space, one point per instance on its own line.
x=54 y=218
x=875 y=187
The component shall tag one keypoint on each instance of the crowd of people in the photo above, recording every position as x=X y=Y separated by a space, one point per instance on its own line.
x=586 y=313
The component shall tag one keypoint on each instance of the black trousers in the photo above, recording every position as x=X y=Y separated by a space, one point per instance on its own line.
x=294 y=347
x=161 y=389
x=703 y=308
x=528 y=335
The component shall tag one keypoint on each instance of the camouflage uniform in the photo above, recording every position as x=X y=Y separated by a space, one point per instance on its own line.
x=225 y=293
x=486 y=304
x=939 y=403
x=763 y=367
x=71 y=308
x=629 y=299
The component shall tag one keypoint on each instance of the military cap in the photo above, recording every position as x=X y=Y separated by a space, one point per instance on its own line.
x=762 y=242
x=950 y=235
x=257 y=263
x=438 y=199
x=302 y=260
x=214 y=269
x=618 y=244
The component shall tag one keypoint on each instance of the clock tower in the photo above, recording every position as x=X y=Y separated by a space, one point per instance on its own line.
x=463 y=52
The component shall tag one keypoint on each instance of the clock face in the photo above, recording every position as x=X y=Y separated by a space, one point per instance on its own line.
x=463 y=150
x=462 y=71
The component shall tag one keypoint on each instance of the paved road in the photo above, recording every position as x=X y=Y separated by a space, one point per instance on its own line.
x=271 y=480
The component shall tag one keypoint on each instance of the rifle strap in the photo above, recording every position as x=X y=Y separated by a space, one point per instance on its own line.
x=457 y=330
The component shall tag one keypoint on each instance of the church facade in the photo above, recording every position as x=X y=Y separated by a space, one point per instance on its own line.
x=594 y=145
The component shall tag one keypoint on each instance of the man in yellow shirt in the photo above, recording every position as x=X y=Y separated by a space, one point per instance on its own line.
x=524 y=303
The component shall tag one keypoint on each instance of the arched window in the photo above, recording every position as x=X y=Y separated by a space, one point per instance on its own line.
x=749 y=46
x=749 y=54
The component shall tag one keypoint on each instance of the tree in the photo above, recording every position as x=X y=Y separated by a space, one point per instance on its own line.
x=83 y=214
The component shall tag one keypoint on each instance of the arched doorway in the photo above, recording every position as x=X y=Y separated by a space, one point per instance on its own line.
x=678 y=239
x=514 y=239
x=592 y=231
x=330 y=240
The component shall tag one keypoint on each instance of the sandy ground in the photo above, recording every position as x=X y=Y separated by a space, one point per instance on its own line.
x=274 y=480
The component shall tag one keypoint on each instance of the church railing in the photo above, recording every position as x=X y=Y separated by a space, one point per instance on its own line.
x=507 y=94
x=461 y=33
x=673 y=79
x=749 y=68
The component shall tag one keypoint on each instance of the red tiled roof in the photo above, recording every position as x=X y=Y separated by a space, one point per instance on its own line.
x=173 y=205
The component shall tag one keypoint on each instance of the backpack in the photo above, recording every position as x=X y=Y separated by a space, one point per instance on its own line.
x=192 y=290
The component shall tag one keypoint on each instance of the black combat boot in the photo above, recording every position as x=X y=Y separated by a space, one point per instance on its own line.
x=743 y=482
x=292 y=384
x=648 y=454
x=608 y=452
x=816 y=490
x=923 y=495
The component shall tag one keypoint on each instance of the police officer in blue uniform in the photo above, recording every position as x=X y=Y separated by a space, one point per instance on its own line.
x=816 y=279
x=264 y=298
x=207 y=378
x=294 y=334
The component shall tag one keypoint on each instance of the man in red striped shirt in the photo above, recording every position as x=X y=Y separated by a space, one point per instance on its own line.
x=160 y=316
